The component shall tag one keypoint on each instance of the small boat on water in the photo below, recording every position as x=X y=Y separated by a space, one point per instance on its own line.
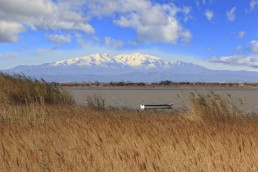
x=157 y=106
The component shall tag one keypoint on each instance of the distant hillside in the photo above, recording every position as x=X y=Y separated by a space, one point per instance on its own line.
x=134 y=67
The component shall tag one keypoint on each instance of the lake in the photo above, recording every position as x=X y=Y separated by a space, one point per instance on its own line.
x=244 y=98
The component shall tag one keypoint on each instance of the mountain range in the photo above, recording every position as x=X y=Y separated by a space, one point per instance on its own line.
x=134 y=67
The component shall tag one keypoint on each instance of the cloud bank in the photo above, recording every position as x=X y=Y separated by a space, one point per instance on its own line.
x=17 y=16
x=239 y=60
x=152 y=22
x=249 y=60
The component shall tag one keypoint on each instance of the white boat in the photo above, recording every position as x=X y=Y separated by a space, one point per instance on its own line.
x=157 y=106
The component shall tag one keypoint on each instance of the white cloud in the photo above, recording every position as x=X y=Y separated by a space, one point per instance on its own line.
x=253 y=4
x=187 y=11
x=254 y=46
x=16 y=15
x=82 y=42
x=59 y=39
x=239 y=60
x=231 y=14
x=9 y=31
x=241 y=34
x=169 y=32
x=209 y=14
x=113 y=43
x=152 y=22
x=249 y=59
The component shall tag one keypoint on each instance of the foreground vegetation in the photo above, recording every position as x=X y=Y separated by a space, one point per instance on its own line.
x=19 y=89
x=40 y=132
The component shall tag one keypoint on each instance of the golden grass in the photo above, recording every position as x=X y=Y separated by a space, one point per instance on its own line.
x=45 y=137
x=75 y=138
x=19 y=89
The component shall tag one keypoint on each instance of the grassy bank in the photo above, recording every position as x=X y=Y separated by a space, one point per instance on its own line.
x=49 y=135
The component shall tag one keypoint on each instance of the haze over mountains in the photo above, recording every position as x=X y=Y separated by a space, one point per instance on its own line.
x=134 y=67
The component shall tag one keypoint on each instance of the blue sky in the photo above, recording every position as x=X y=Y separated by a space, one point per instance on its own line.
x=214 y=33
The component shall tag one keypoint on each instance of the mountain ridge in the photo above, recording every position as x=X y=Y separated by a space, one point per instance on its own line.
x=133 y=60
x=129 y=67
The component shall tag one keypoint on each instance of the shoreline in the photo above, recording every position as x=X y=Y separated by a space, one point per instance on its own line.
x=162 y=87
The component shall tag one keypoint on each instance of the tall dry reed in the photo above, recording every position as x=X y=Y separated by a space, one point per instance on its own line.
x=20 y=89
x=213 y=108
x=63 y=137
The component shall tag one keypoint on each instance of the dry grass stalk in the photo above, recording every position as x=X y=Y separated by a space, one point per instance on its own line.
x=20 y=89
x=96 y=102
x=37 y=136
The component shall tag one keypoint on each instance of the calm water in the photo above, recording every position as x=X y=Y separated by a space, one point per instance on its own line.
x=245 y=98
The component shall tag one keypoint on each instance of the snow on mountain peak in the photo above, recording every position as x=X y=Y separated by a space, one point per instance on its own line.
x=135 y=60
x=97 y=59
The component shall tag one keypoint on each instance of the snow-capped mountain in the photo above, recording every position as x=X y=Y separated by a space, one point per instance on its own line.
x=95 y=59
x=127 y=62
x=123 y=60
x=129 y=67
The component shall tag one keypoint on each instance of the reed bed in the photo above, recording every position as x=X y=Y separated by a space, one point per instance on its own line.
x=20 y=89
x=39 y=136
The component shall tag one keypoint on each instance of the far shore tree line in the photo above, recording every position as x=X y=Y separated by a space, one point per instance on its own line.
x=161 y=83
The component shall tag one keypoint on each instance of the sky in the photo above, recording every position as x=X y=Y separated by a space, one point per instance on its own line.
x=217 y=34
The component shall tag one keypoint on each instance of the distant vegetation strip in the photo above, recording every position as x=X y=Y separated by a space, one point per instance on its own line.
x=165 y=83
